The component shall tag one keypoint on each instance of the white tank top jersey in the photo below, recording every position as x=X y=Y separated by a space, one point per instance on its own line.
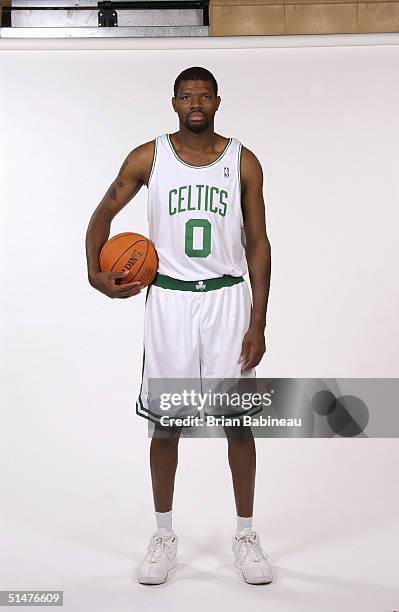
x=194 y=214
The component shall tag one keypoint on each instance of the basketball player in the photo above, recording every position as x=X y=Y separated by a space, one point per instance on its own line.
x=207 y=221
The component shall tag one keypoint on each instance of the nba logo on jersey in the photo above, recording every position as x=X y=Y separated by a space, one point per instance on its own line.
x=226 y=172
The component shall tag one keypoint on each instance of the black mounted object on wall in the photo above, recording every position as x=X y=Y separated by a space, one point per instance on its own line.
x=107 y=15
x=5 y=21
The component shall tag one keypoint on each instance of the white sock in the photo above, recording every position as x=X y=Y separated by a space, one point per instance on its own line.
x=243 y=521
x=164 y=520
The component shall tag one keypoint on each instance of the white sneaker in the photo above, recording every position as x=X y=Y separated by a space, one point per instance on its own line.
x=250 y=559
x=160 y=557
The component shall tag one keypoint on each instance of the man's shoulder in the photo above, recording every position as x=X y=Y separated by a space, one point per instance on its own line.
x=251 y=169
x=248 y=153
x=249 y=159
x=144 y=150
x=139 y=160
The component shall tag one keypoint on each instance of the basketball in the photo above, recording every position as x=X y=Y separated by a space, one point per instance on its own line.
x=130 y=252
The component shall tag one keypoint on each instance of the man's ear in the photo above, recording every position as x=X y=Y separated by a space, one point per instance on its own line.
x=173 y=103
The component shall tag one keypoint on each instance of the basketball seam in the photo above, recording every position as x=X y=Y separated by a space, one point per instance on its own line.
x=129 y=247
x=146 y=253
x=114 y=238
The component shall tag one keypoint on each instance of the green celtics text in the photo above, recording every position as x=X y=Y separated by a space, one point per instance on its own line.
x=198 y=197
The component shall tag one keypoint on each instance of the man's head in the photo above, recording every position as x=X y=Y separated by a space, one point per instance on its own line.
x=195 y=91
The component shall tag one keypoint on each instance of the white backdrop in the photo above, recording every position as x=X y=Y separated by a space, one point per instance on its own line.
x=75 y=480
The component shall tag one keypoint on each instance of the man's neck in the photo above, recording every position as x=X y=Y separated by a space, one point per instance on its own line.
x=195 y=142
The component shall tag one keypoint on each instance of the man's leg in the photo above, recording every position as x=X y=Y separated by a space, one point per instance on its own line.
x=171 y=343
x=163 y=463
x=242 y=461
x=161 y=554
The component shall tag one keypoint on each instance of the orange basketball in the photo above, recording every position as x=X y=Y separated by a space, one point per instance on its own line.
x=131 y=252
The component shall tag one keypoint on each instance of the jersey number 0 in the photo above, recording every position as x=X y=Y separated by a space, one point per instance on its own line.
x=206 y=227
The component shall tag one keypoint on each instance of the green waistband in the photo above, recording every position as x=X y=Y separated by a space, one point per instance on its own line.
x=199 y=286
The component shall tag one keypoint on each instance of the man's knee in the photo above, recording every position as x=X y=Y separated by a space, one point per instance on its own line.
x=238 y=432
x=170 y=434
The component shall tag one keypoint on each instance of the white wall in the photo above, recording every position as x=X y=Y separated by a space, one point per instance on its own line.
x=322 y=121
x=323 y=125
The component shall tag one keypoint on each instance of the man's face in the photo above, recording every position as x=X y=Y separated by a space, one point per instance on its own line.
x=196 y=105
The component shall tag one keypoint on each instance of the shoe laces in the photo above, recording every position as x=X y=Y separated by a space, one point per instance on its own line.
x=157 y=546
x=248 y=547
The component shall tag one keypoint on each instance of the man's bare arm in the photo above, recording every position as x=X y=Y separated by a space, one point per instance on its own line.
x=133 y=174
x=258 y=254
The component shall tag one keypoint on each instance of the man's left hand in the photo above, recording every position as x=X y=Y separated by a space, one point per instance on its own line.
x=253 y=348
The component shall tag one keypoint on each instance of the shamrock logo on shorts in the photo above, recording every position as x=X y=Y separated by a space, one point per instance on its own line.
x=200 y=286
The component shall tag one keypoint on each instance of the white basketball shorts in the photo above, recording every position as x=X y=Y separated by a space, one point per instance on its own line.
x=193 y=330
